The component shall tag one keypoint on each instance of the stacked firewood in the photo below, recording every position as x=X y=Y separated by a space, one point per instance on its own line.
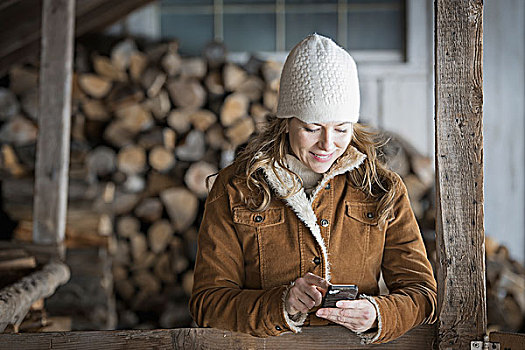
x=148 y=127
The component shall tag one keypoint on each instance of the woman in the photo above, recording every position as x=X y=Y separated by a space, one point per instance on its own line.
x=307 y=204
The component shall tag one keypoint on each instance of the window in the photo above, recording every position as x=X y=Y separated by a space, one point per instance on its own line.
x=375 y=28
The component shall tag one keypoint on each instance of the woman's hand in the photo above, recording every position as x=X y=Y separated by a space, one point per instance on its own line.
x=357 y=315
x=305 y=294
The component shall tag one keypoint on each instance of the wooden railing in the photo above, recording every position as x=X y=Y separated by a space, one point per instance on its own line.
x=328 y=337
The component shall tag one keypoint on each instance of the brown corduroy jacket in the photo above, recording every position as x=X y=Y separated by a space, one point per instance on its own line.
x=247 y=260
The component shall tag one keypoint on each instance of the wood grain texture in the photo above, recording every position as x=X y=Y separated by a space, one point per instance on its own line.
x=459 y=172
x=331 y=337
x=52 y=158
x=16 y=299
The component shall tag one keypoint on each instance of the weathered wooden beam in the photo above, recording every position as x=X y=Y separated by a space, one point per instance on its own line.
x=20 y=25
x=15 y=300
x=332 y=337
x=52 y=158
x=459 y=172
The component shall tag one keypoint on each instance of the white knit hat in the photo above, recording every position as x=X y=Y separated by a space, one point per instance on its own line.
x=319 y=83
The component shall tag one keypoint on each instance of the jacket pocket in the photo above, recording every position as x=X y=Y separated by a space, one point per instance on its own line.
x=269 y=217
x=272 y=247
x=365 y=213
x=362 y=229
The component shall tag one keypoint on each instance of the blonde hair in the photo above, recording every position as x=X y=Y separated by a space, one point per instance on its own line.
x=270 y=148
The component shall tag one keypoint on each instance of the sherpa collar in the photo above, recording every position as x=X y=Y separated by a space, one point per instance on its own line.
x=281 y=182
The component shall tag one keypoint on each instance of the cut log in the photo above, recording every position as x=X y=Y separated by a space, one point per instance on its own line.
x=271 y=72
x=241 y=131
x=171 y=63
x=159 y=235
x=179 y=262
x=213 y=83
x=415 y=187
x=18 y=131
x=127 y=226
x=105 y=68
x=196 y=178
x=169 y=138
x=146 y=261
x=16 y=259
x=16 y=299
x=215 y=54
x=94 y=85
x=135 y=118
x=95 y=110
x=179 y=120
x=149 y=210
x=254 y=64
x=123 y=95
x=10 y=162
x=157 y=51
x=131 y=159
x=193 y=148
x=187 y=93
x=202 y=119
x=158 y=182
x=194 y=67
x=137 y=64
x=215 y=137
x=152 y=80
x=100 y=162
x=22 y=79
x=146 y=281
x=139 y=246
x=181 y=205
x=122 y=253
x=125 y=289
x=78 y=133
x=160 y=105
x=134 y=183
x=152 y=138
x=29 y=101
x=233 y=76
x=270 y=100
x=187 y=282
x=252 y=87
x=105 y=225
x=423 y=168
x=121 y=54
x=9 y=105
x=235 y=107
x=163 y=270
x=259 y=114
x=161 y=159
x=120 y=272
x=118 y=135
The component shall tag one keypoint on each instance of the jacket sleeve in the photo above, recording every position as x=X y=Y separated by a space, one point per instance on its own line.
x=407 y=274
x=218 y=298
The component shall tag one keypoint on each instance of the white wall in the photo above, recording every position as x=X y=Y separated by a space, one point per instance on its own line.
x=503 y=124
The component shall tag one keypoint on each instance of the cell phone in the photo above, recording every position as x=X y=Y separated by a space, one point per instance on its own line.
x=338 y=292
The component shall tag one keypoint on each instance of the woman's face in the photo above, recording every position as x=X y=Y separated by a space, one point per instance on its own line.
x=318 y=145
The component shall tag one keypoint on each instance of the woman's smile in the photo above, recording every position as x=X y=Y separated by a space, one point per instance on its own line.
x=318 y=145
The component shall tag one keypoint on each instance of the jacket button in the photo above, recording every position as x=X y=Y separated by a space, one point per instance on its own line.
x=317 y=260
x=327 y=186
x=370 y=215
x=278 y=328
x=258 y=218
x=324 y=223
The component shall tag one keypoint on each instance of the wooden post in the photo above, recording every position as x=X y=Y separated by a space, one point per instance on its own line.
x=52 y=159
x=459 y=172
